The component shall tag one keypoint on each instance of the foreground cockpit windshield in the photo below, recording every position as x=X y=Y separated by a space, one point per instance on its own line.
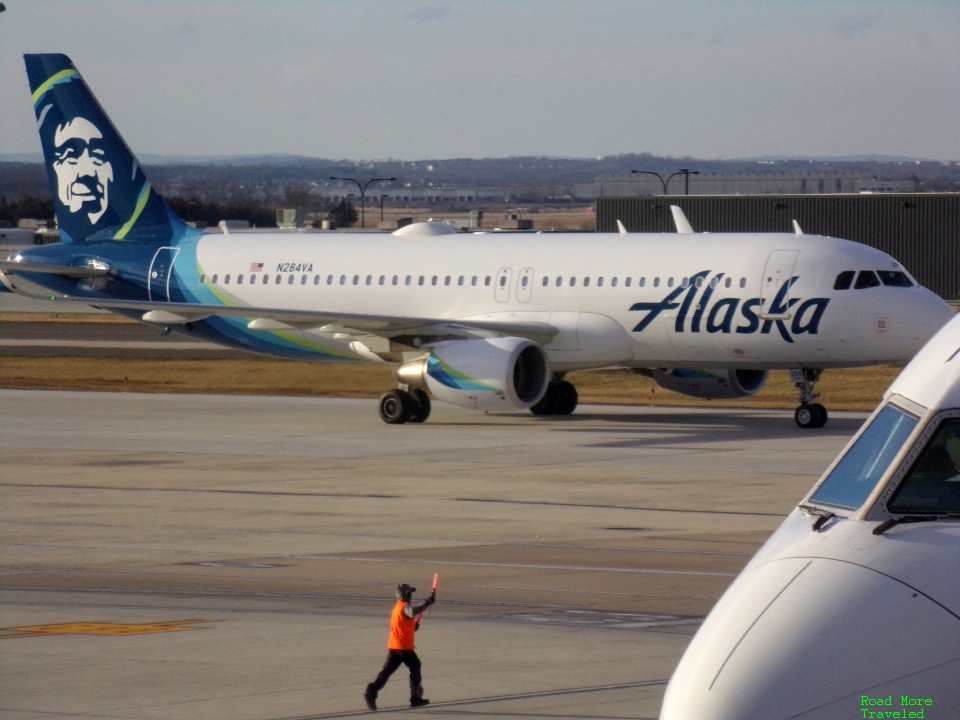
x=857 y=473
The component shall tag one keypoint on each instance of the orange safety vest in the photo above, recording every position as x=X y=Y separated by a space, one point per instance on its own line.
x=402 y=628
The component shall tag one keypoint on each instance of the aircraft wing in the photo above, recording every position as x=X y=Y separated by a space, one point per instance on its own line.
x=261 y=318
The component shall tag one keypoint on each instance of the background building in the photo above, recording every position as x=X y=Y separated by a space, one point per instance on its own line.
x=921 y=230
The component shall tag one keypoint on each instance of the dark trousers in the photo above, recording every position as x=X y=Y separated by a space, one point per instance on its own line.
x=396 y=658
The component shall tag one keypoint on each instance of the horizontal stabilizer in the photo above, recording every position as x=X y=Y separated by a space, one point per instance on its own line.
x=71 y=271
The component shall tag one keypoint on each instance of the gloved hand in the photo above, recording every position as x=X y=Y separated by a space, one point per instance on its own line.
x=417 y=626
x=433 y=597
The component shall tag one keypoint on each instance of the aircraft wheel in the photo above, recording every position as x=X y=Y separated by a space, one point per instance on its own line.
x=548 y=403
x=567 y=398
x=395 y=407
x=822 y=413
x=420 y=407
x=810 y=416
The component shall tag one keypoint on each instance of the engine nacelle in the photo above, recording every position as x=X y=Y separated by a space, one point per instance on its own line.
x=495 y=374
x=711 y=384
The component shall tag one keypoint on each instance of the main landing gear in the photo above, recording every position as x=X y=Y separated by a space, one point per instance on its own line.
x=403 y=406
x=809 y=414
x=559 y=399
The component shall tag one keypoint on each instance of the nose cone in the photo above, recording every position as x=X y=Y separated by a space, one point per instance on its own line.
x=809 y=638
x=918 y=318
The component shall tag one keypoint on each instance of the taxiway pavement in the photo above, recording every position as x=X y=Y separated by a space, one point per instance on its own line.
x=235 y=557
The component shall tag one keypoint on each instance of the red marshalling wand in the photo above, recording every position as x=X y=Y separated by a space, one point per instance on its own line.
x=436 y=581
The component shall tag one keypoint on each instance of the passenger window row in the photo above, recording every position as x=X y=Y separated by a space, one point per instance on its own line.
x=559 y=281
x=870 y=278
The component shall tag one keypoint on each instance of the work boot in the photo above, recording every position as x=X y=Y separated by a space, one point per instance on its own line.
x=370 y=696
x=416 y=697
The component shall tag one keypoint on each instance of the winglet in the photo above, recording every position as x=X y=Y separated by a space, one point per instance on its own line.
x=796 y=228
x=680 y=220
x=621 y=228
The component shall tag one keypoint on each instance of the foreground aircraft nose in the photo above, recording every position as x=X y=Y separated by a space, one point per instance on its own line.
x=817 y=639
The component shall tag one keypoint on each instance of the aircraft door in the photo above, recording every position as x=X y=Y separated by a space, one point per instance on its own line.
x=776 y=274
x=502 y=287
x=525 y=285
x=161 y=270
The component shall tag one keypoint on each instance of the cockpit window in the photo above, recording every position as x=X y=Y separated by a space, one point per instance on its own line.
x=856 y=475
x=894 y=278
x=844 y=280
x=867 y=279
x=933 y=483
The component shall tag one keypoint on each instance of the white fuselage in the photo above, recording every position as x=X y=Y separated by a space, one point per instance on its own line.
x=616 y=300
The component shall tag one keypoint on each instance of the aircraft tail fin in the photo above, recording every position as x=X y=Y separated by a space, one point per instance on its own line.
x=100 y=191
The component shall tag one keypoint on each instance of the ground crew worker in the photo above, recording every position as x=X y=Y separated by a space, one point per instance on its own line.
x=400 y=648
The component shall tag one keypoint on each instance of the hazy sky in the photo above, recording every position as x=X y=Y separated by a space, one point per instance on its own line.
x=378 y=79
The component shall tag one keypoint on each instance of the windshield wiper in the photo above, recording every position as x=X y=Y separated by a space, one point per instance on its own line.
x=823 y=516
x=893 y=522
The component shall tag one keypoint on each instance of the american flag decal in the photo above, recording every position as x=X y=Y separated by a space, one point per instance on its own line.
x=256 y=267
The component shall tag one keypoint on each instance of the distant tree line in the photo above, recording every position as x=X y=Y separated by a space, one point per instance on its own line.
x=257 y=213
x=26 y=207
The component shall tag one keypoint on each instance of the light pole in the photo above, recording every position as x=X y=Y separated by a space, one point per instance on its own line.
x=363 y=193
x=666 y=183
x=686 y=178
x=659 y=177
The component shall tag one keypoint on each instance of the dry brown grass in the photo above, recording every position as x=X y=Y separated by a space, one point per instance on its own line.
x=857 y=389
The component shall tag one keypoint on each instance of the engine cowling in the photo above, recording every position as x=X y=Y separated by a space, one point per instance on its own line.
x=711 y=384
x=494 y=374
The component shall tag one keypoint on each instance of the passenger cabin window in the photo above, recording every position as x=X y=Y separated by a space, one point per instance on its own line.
x=866 y=279
x=933 y=483
x=855 y=476
x=844 y=280
x=894 y=278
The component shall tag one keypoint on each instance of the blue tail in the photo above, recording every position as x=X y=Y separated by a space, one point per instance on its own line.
x=99 y=189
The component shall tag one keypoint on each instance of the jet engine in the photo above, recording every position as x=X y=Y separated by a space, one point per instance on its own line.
x=494 y=374
x=710 y=384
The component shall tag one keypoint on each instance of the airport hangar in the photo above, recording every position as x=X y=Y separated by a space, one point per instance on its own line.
x=921 y=230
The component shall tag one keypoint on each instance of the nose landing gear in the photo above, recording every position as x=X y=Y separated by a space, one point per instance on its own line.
x=810 y=414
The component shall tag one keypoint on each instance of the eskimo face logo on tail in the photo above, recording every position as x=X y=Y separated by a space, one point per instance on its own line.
x=790 y=317
x=83 y=172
